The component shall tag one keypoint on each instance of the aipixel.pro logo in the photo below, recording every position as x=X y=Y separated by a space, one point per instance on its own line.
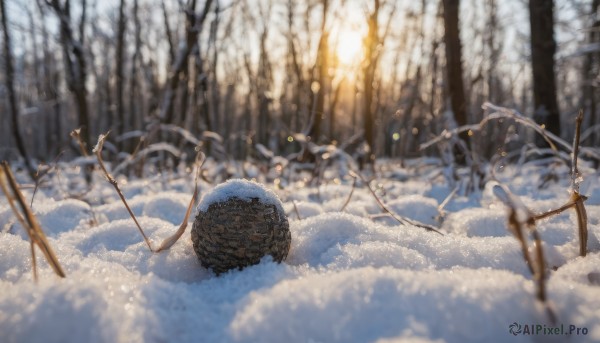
x=516 y=329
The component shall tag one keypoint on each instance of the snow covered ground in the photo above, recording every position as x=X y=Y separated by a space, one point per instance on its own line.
x=350 y=276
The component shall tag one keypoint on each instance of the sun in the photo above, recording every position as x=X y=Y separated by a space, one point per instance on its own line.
x=349 y=47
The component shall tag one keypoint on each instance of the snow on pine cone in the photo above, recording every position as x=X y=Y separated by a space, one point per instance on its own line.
x=238 y=223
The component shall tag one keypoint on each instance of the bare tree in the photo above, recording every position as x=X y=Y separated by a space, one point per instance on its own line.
x=120 y=64
x=591 y=70
x=75 y=61
x=214 y=80
x=269 y=68
x=454 y=69
x=373 y=48
x=320 y=84
x=194 y=24
x=369 y=66
x=51 y=81
x=543 y=48
x=12 y=98
x=264 y=83
x=135 y=60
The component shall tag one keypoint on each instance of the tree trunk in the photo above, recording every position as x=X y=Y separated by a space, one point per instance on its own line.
x=12 y=98
x=133 y=81
x=220 y=123
x=543 y=48
x=75 y=64
x=51 y=79
x=194 y=24
x=321 y=67
x=591 y=70
x=456 y=90
x=120 y=60
x=370 y=62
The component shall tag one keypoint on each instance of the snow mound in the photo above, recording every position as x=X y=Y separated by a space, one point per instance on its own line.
x=168 y=206
x=348 y=277
x=478 y=222
x=55 y=217
x=363 y=302
x=416 y=207
x=304 y=209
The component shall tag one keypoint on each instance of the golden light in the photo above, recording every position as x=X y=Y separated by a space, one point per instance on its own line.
x=349 y=48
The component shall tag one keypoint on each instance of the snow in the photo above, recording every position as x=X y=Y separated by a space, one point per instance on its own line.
x=241 y=189
x=350 y=276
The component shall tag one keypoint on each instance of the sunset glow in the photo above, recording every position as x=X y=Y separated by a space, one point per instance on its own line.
x=349 y=47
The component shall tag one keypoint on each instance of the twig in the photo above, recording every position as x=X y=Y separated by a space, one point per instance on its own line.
x=575 y=196
x=571 y=203
x=379 y=215
x=519 y=220
x=519 y=118
x=76 y=134
x=447 y=200
x=98 y=151
x=169 y=241
x=581 y=222
x=28 y=221
x=504 y=113
x=349 y=195
x=399 y=219
x=40 y=173
x=296 y=210
x=141 y=154
x=548 y=135
x=575 y=177
x=516 y=220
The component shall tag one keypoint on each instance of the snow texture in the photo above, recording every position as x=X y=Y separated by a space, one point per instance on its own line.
x=349 y=277
x=241 y=189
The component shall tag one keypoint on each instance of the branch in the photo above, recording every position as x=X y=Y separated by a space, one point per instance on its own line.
x=400 y=219
x=98 y=151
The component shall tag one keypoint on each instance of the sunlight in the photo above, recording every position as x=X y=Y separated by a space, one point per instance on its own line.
x=349 y=47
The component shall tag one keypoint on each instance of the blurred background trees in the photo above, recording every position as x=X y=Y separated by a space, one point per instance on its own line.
x=377 y=77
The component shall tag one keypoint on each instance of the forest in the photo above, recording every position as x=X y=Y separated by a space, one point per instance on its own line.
x=253 y=79
x=299 y=171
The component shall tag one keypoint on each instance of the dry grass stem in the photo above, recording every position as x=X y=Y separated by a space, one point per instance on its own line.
x=349 y=195
x=575 y=196
x=444 y=203
x=571 y=203
x=577 y=200
x=296 y=210
x=581 y=223
x=28 y=221
x=399 y=219
x=575 y=177
x=505 y=113
x=169 y=241
x=518 y=216
x=42 y=171
x=98 y=151
x=76 y=134
x=141 y=155
x=540 y=273
x=502 y=112
x=520 y=220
